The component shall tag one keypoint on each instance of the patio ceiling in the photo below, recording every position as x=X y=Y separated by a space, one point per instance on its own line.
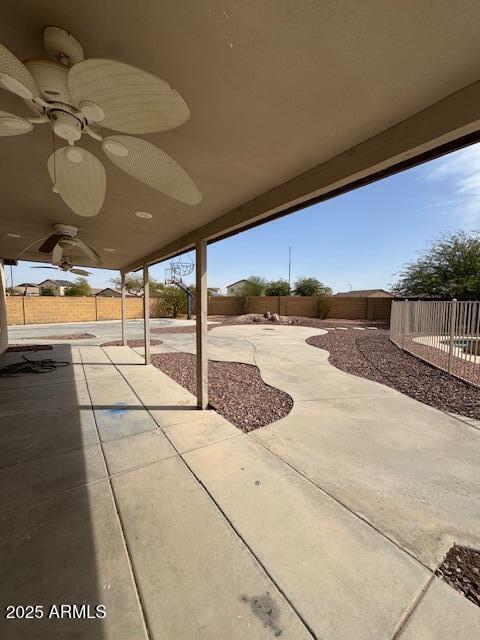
x=278 y=92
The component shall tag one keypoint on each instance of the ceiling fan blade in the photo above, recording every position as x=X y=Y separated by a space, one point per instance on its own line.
x=12 y=125
x=50 y=243
x=89 y=251
x=15 y=77
x=132 y=100
x=80 y=272
x=44 y=268
x=57 y=254
x=149 y=164
x=80 y=179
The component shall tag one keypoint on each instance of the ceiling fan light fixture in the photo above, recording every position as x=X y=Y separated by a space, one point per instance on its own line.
x=92 y=111
x=15 y=86
x=109 y=250
x=74 y=155
x=143 y=214
x=115 y=148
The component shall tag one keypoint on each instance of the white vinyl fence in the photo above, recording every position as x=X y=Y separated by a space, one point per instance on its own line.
x=445 y=334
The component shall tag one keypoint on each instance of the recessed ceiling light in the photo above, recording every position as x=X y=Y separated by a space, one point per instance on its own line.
x=13 y=235
x=143 y=214
x=109 y=249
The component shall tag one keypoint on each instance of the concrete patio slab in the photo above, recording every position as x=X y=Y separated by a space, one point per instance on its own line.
x=51 y=397
x=41 y=433
x=47 y=475
x=344 y=578
x=68 y=549
x=118 y=411
x=137 y=450
x=199 y=430
x=183 y=549
x=443 y=614
x=409 y=469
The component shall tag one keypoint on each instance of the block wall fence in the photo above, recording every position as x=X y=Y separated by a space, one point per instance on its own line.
x=340 y=308
x=45 y=310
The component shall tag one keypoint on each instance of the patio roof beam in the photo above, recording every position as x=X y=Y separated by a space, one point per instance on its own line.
x=428 y=133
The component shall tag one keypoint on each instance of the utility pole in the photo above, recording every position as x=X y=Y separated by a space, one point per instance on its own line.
x=349 y=287
x=11 y=280
x=289 y=266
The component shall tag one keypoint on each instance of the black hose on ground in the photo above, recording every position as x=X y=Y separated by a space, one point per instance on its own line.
x=31 y=366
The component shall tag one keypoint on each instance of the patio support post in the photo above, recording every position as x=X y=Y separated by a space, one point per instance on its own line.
x=146 y=313
x=451 y=346
x=404 y=321
x=124 y=310
x=201 y=302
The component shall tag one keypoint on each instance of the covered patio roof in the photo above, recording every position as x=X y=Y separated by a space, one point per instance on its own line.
x=290 y=103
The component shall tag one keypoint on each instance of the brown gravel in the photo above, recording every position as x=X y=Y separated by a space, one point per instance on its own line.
x=220 y=321
x=130 y=343
x=461 y=570
x=236 y=390
x=15 y=348
x=371 y=355
x=71 y=336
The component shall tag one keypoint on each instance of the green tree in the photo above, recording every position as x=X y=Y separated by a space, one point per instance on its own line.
x=311 y=287
x=450 y=268
x=173 y=300
x=47 y=291
x=134 y=283
x=254 y=286
x=277 y=288
x=80 y=287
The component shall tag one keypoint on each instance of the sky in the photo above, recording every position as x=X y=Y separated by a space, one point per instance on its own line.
x=359 y=240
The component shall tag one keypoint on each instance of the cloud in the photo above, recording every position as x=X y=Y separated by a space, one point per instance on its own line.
x=458 y=185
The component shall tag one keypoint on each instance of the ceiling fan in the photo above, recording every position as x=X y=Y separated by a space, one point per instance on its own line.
x=60 y=245
x=76 y=96
x=66 y=266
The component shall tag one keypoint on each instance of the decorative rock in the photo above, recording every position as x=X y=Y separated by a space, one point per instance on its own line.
x=267 y=315
x=257 y=319
x=275 y=317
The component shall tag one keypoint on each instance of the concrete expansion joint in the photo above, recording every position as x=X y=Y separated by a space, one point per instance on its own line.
x=135 y=583
x=180 y=456
x=251 y=434
x=412 y=608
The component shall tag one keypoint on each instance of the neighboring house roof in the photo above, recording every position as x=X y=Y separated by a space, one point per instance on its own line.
x=60 y=283
x=108 y=291
x=26 y=284
x=365 y=293
x=26 y=290
x=237 y=282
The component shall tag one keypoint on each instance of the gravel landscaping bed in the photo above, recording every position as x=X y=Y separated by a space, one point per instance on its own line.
x=236 y=390
x=71 y=336
x=130 y=343
x=300 y=321
x=461 y=570
x=371 y=355
x=28 y=347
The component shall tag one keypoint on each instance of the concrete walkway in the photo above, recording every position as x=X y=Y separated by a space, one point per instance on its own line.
x=327 y=524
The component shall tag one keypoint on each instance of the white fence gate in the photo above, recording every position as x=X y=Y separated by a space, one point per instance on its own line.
x=445 y=334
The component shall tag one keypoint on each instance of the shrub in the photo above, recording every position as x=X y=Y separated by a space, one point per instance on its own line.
x=324 y=306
